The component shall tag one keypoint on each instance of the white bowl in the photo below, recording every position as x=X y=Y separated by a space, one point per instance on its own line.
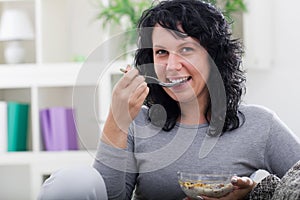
x=211 y=185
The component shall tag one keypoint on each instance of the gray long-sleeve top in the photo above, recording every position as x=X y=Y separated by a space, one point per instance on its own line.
x=148 y=167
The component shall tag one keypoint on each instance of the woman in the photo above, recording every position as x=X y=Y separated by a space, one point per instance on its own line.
x=198 y=126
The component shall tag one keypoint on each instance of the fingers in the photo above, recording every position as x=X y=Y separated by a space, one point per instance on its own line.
x=129 y=82
x=135 y=83
x=129 y=77
x=128 y=97
x=242 y=186
x=140 y=93
x=137 y=98
x=242 y=182
x=210 y=198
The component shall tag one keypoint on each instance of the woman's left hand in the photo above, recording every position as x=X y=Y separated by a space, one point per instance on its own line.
x=242 y=186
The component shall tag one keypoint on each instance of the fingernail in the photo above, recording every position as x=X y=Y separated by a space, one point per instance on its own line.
x=233 y=180
x=123 y=70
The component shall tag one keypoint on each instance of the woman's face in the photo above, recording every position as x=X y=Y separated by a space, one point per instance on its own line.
x=177 y=58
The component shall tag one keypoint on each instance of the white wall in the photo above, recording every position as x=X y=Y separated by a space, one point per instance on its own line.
x=277 y=87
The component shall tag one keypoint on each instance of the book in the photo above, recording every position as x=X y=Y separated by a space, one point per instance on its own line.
x=3 y=126
x=46 y=129
x=17 y=126
x=58 y=129
x=72 y=131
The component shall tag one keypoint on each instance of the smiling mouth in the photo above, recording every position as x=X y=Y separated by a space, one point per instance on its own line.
x=179 y=80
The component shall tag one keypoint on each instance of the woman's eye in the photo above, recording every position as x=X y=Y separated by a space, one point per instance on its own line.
x=160 y=52
x=186 y=49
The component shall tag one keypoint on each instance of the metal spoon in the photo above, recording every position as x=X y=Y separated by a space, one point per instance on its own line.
x=150 y=79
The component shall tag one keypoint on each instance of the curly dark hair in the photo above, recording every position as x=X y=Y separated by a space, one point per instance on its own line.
x=208 y=25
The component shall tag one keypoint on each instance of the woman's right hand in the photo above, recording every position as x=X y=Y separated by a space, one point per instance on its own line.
x=127 y=99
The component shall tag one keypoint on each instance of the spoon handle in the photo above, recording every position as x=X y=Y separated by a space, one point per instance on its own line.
x=154 y=80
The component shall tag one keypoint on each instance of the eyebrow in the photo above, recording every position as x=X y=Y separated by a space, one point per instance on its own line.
x=180 y=45
x=158 y=46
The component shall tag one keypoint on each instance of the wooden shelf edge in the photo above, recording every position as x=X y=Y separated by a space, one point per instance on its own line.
x=29 y=158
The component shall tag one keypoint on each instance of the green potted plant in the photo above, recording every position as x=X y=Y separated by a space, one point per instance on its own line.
x=230 y=6
x=122 y=14
x=116 y=10
x=125 y=13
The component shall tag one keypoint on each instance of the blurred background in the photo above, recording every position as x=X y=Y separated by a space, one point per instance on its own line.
x=275 y=84
x=43 y=48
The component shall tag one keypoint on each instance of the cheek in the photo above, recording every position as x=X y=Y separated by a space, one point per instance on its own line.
x=204 y=73
x=159 y=70
x=202 y=70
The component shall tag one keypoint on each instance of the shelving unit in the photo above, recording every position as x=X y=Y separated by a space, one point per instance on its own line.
x=64 y=31
x=40 y=89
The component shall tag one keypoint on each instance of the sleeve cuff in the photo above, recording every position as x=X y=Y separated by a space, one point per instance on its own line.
x=264 y=189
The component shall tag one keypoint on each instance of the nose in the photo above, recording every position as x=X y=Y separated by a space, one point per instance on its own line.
x=173 y=62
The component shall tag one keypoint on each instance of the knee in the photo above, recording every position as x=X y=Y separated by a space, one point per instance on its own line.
x=80 y=182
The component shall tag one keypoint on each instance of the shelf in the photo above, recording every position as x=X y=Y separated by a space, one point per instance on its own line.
x=23 y=172
x=14 y=1
x=28 y=75
x=66 y=34
x=28 y=158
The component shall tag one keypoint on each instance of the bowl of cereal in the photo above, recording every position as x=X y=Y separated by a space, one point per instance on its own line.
x=211 y=185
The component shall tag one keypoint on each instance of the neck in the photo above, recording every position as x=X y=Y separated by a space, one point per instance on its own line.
x=194 y=112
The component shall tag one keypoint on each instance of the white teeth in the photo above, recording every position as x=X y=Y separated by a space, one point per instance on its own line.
x=178 y=80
